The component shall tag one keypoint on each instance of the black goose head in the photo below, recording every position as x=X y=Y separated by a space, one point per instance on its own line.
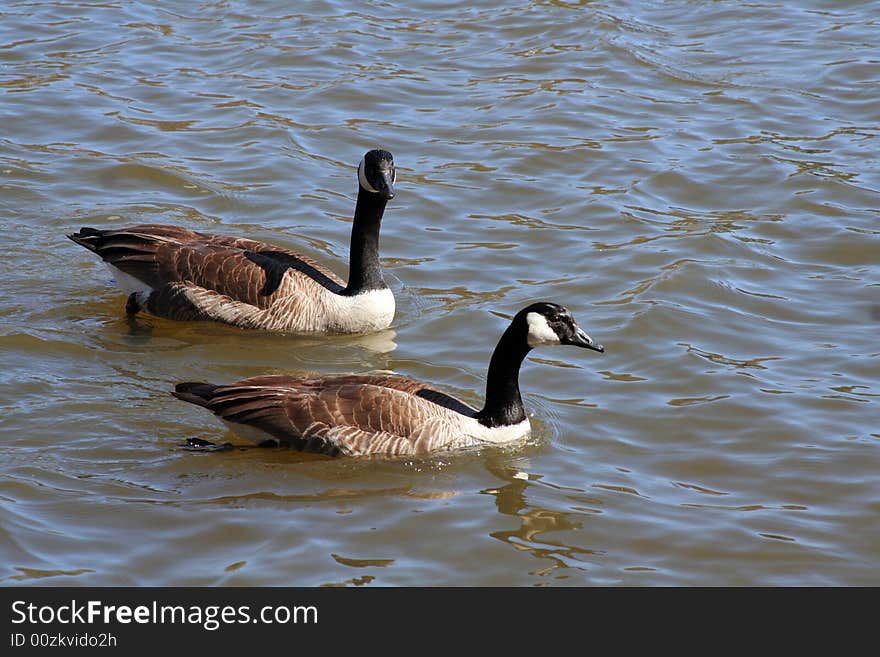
x=549 y=323
x=537 y=324
x=376 y=173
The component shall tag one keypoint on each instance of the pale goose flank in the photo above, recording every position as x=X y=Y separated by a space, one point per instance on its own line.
x=181 y=274
x=359 y=415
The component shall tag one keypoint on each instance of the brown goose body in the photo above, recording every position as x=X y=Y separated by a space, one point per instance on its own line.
x=354 y=415
x=182 y=274
x=358 y=415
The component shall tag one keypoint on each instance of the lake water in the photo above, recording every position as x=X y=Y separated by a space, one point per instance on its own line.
x=698 y=182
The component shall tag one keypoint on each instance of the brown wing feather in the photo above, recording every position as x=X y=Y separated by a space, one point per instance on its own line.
x=244 y=270
x=353 y=415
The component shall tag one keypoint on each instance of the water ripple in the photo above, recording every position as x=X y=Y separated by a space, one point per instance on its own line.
x=697 y=183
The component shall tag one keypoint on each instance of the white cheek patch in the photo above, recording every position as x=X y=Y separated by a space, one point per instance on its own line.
x=362 y=178
x=540 y=331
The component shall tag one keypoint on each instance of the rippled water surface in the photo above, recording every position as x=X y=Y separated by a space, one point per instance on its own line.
x=697 y=181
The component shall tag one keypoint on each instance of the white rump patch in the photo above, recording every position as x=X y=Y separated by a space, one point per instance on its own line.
x=362 y=178
x=128 y=283
x=249 y=433
x=540 y=331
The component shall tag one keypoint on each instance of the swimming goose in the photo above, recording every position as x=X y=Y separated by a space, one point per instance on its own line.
x=357 y=415
x=181 y=274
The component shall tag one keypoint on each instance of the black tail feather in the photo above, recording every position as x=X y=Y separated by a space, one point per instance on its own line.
x=194 y=392
x=86 y=237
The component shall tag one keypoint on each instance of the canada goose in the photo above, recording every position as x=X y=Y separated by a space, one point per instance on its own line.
x=357 y=415
x=181 y=274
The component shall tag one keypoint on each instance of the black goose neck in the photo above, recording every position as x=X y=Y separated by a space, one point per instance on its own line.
x=504 y=405
x=364 y=273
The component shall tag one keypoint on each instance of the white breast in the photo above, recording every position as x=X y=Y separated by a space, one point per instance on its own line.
x=368 y=311
x=496 y=435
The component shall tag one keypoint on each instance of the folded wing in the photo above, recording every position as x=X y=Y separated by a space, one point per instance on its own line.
x=352 y=415
x=204 y=276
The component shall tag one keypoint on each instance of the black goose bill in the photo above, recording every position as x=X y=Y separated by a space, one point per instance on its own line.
x=555 y=325
x=376 y=173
